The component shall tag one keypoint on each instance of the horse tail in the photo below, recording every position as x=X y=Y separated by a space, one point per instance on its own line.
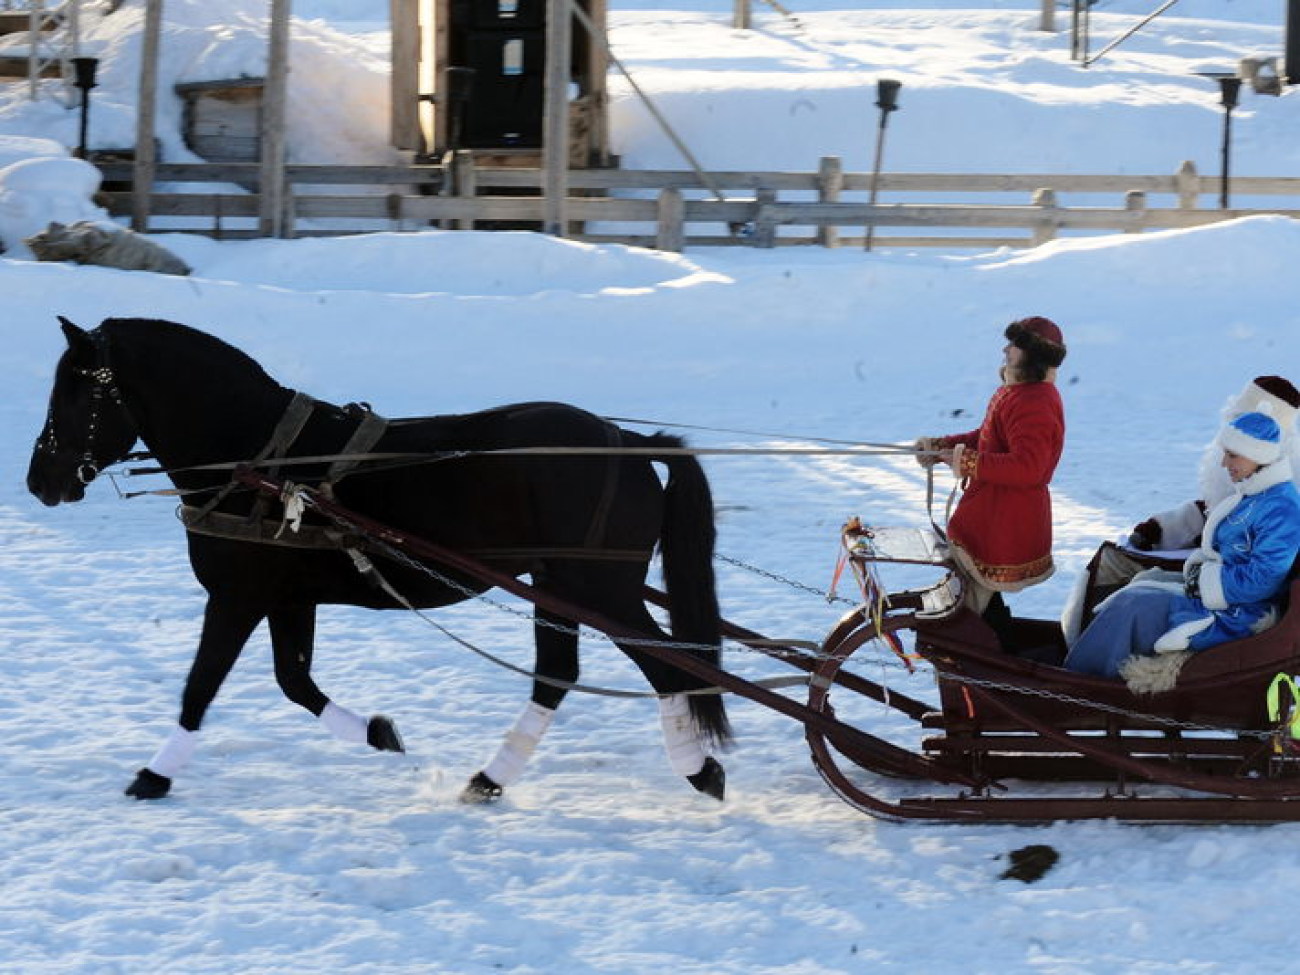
x=686 y=542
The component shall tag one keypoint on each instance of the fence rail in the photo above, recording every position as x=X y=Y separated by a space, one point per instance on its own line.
x=671 y=209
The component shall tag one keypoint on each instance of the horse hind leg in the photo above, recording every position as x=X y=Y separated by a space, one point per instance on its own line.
x=685 y=747
x=686 y=719
x=557 y=667
x=293 y=638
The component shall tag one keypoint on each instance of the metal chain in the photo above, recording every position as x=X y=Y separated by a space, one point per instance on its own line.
x=829 y=597
x=397 y=555
x=401 y=557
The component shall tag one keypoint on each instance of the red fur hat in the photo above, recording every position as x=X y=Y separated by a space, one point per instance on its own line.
x=1040 y=337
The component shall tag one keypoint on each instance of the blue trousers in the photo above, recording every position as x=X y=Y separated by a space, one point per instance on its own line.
x=1130 y=623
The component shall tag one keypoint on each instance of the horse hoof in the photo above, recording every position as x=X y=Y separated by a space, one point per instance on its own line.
x=480 y=790
x=149 y=785
x=382 y=734
x=711 y=779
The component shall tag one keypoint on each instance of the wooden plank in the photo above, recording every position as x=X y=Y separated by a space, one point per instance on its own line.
x=18 y=66
x=652 y=181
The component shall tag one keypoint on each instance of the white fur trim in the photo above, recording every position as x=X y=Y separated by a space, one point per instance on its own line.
x=1268 y=476
x=1254 y=399
x=1260 y=451
x=1152 y=675
x=1267 y=621
x=343 y=724
x=1180 y=637
x=1211 y=583
x=681 y=739
x=521 y=741
x=175 y=752
x=1180 y=527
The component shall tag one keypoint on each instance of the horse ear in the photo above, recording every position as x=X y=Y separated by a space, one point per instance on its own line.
x=72 y=333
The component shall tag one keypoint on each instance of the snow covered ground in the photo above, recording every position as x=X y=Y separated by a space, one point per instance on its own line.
x=282 y=850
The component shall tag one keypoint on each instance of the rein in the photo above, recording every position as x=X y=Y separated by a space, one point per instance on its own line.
x=435 y=456
x=350 y=458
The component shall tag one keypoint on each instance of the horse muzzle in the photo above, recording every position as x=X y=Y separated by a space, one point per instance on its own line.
x=51 y=487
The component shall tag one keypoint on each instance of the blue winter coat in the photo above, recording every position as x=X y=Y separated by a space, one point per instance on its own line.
x=1251 y=541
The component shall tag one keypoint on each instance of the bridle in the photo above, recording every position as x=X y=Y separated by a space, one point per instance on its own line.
x=103 y=388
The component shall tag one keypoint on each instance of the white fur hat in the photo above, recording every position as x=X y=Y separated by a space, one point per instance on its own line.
x=1282 y=399
x=1255 y=436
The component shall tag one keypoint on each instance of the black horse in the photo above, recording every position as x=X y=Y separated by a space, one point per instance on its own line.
x=583 y=526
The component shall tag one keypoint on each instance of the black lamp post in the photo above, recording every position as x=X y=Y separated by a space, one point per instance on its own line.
x=886 y=101
x=1229 y=90
x=84 y=79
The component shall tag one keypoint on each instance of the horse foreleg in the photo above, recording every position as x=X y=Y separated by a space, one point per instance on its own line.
x=226 y=628
x=557 y=661
x=293 y=637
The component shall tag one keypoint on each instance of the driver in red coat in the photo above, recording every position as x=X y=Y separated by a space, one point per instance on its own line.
x=1001 y=532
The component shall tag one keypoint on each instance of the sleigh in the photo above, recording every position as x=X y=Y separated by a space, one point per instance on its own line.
x=1016 y=738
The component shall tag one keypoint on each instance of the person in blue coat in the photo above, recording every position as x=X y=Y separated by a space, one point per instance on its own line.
x=1230 y=586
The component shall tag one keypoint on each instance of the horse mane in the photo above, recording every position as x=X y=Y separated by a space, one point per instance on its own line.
x=180 y=345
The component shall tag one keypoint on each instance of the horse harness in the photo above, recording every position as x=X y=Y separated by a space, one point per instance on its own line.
x=262 y=527
x=103 y=387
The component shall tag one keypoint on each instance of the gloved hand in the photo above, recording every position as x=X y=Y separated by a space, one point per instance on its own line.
x=927 y=451
x=1145 y=536
x=1192 y=580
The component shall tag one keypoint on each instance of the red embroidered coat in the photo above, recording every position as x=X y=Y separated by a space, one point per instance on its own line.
x=1004 y=519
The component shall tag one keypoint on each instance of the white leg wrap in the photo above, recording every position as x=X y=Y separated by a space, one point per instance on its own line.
x=343 y=724
x=682 y=742
x=175 y=753
x=519 y=745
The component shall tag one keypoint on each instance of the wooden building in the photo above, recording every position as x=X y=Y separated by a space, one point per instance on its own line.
x=471 y=74
x=222 y=120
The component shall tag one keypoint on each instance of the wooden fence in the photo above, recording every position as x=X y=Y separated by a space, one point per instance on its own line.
x=672 y=210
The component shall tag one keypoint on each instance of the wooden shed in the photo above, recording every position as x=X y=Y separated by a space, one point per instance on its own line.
x=470 y=74
x=222 y=120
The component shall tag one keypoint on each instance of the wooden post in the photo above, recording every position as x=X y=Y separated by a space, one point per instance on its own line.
x=555 y=116
x=764 y=222
x=1135 y=202
x=830 y=183
x=1046 y=229
x=740 y=18
x=1291 y=51
x=1047 y=22
x=146 y=153
x=598 y=95
x=1188 y=185
x=671 y=233
x=404 y=76
x=465 y=181
x=271 y=188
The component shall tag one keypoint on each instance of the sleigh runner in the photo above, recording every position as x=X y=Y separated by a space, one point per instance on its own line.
x=1012 y=738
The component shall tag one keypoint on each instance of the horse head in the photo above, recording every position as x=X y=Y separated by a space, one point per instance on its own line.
x=88 y=426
